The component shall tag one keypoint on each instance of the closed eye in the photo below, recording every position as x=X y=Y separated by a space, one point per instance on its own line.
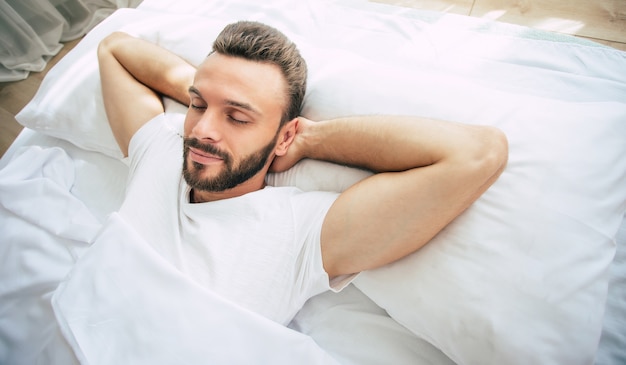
x=238 y=121
x=197 y=107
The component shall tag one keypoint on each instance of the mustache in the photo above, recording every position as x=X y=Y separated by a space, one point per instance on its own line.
x=204 y=147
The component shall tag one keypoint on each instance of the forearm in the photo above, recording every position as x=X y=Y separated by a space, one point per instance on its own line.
x=391 y=143
x=429 y=172
x=157 y=68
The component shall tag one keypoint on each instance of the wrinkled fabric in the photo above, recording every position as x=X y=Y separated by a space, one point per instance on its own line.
x=43 y=231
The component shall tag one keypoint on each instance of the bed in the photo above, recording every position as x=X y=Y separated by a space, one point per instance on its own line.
x=533 y=273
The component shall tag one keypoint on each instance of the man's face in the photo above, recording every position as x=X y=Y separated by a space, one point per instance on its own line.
x=232 y=125
x=230 y=176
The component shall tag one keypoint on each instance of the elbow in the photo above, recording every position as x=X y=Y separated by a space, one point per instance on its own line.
x=108 y=43
x=494 y=152
x=500 y=148
x=482 y=162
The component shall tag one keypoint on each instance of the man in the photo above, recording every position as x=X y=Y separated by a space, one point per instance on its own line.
x=270 y=249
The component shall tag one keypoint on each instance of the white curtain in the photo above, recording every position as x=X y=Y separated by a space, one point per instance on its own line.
x=31 y=31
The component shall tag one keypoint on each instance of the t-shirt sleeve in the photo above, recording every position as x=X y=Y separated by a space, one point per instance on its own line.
x=143 y=140
x=310 y=211
x=139 y=142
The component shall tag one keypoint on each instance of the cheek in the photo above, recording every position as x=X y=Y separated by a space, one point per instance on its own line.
x=188 y=125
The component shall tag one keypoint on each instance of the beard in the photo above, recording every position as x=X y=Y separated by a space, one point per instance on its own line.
x=231 y=176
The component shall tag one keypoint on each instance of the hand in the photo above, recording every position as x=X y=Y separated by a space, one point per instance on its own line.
x=296 y=150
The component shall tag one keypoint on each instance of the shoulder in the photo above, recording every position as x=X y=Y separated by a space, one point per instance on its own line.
x=304 y=208
x=162 y=129
x=156 y=147
x=301 y=200
x=309 y=209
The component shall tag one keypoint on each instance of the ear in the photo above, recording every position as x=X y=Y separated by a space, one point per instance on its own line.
x=286 y=137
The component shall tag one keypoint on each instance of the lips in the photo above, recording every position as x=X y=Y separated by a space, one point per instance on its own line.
x=202 y=157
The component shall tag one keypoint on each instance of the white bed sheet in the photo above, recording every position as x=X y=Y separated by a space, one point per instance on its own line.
x=457 y=43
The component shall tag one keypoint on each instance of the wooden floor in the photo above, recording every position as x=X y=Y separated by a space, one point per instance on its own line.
x=15 y=95
x=603 y=21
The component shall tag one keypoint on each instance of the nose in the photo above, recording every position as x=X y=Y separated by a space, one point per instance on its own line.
x=204 y=126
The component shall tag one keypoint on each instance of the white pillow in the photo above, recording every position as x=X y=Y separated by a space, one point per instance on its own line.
x=521 y=276
x=68 y=104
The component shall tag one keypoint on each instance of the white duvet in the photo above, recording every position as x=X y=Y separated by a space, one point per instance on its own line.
x=45 y=229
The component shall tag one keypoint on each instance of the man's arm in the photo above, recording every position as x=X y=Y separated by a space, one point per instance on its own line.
x=133 y=73
x=428 y=173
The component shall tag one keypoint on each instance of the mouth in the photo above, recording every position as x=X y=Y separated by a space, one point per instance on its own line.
x=204 y=158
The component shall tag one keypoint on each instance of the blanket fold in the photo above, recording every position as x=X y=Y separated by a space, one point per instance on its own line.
x=124 y=303
x=43 y=230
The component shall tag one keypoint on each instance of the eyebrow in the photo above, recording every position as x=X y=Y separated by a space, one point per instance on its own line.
x=233 y=103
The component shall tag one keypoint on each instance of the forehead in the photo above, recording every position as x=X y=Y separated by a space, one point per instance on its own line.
x=232 y=80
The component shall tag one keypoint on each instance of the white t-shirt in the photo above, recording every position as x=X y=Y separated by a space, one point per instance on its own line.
x=260 y=250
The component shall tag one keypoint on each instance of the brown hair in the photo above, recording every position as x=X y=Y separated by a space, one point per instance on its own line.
x=259 y=42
